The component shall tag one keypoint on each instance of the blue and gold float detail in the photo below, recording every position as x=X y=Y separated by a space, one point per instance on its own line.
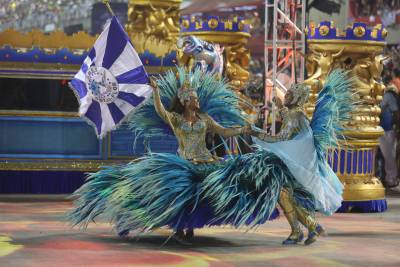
x=360 y=163
x=73 y=149
x=352 y=162
x=59 y=56
x=230 y=33
x=153 y=26
x=358 y=49
x=194 y=24
x=358 y=31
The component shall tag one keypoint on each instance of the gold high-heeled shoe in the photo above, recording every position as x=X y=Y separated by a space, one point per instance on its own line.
x=308 y=220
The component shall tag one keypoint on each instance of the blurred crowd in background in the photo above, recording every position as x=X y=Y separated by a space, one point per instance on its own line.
x=394 y=53
x=392 y=67
x=388 y=11
x=47 y=15
x=388 y=157
x=375 y=7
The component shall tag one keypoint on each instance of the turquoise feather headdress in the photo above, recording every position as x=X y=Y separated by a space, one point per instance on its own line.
x=214 y=95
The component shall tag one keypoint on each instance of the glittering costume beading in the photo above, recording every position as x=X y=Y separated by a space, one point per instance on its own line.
x=192 y=137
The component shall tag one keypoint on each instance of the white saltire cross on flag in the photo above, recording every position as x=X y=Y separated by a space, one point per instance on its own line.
x=112 y=80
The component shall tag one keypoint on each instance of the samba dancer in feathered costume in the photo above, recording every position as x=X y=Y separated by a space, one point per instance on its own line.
x=162 y=189
x=195 y=189
x=309 y=183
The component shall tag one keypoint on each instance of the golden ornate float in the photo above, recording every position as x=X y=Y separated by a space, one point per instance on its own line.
x=359 y=50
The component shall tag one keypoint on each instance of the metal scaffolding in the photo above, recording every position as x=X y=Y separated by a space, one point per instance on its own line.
x=285 y=42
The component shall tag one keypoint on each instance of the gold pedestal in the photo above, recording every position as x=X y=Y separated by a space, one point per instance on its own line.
x=232 y=35
x=358 y=50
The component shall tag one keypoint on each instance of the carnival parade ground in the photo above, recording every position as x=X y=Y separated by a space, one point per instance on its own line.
x=34 y=233
x=171 y=127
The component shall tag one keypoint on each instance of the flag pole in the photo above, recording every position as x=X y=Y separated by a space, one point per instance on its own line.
x=162 y=64
x=107 y=3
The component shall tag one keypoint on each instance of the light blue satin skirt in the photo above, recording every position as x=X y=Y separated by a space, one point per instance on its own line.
x=316 y=176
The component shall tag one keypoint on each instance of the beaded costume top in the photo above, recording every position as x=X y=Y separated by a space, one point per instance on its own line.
x=293 y=121
x=192 y=136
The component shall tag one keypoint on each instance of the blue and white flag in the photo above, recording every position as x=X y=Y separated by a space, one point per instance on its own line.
x=112 y=80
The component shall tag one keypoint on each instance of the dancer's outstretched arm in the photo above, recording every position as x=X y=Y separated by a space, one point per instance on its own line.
x=215 y=127
x=290 y=127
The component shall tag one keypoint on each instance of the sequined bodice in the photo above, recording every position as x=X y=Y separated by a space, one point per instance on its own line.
x=192 y=138
x=294 y=121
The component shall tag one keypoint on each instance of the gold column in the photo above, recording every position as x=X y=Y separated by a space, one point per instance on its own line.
x=359 y=50
x=153 y=25
x=233 y=35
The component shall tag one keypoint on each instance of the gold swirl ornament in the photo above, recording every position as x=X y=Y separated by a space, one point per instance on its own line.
x=242 y=24
x=324 y=30
x=185 y=23
x=359 y=31
x=213 y=23
x=384 y=33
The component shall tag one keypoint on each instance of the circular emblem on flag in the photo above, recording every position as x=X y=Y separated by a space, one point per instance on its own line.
x=102 y=84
